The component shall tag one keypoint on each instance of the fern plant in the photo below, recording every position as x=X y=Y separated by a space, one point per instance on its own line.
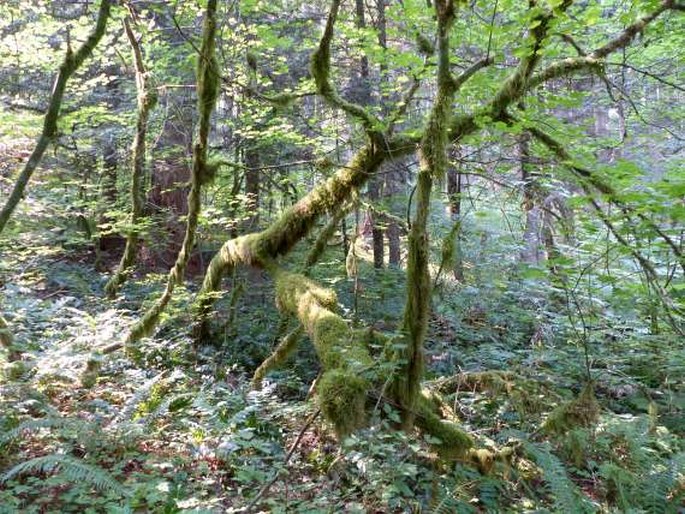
x=562 y=491
x=73 y=469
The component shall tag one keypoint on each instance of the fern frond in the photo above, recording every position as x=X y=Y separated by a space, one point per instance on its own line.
x=449 y=504
x=133 y=403
x=33 y=425
x=563 y=491
x=73 y=469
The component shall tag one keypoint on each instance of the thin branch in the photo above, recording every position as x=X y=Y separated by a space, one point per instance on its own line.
x=291 y=452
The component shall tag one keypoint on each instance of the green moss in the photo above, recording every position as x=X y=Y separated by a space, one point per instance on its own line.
x=342 y=397
x=278 y=357
x=580 y=412
x=451 y=441
x=343 y=388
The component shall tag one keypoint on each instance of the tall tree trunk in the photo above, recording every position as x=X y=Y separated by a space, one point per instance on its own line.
x=147 y=98
x=251 y=157
x=363 y=95
x=72 y=61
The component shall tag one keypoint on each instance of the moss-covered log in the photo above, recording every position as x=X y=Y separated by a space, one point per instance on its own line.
x=452 y=442
x=343 y=387
x=72 y=61
x=207 y=93
x=147 y=98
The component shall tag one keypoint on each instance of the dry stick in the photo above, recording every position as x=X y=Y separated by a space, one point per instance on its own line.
x=72 y=61
x=291 y=452
x=147 y=98
x=207 y=92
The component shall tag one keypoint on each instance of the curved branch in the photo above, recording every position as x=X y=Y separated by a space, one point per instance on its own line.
x=594 y=59
x=207 y=92
x=147 y=98
x=321 y=71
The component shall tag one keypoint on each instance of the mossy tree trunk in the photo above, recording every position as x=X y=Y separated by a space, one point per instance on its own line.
x=207 y=92
x=147 y=98
x=72 y=62
x=433 y=164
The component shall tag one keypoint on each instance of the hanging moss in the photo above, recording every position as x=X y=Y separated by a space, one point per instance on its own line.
x=580 y=412
x=342 y=396
x=320 y=68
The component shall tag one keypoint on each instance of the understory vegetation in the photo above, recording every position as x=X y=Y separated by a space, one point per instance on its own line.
x=342 y=257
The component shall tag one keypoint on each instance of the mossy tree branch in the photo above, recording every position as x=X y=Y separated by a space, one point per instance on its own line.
x=321 y=72
x=147 y=98
x=517 y=83
x=594 y=59
x=72 y=62
x=343 y=387
x=207 y=92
